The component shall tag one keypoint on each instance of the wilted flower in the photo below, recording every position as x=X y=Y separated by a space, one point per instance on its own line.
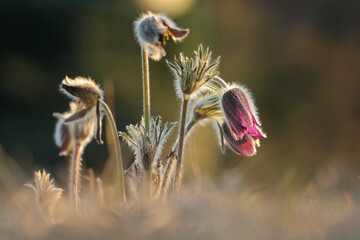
x=193 y=73
x=46 y=194
x=241 y=115
x=152 y=31
x=88 y=97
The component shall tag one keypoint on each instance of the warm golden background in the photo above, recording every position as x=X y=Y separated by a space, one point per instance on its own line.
x=301 y=59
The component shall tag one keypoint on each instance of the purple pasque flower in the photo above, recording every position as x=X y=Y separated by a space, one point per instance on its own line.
x=152 y=31
x=241 y=115
x=245 y=146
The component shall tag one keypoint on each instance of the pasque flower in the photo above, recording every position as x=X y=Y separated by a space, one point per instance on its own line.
x=88 y=96
x=152 y=31
x=243 y=130
x=245 y=146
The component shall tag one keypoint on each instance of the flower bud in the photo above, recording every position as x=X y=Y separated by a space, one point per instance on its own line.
x=206 y=108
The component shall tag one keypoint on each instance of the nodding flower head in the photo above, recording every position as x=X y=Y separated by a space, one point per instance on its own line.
x=241 y=115
x=245 y=146
x=85 y=111
x=83 y=89
x=152 y=31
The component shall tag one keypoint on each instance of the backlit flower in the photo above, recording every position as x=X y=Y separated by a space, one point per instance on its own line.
x=82 y=89
x=245 y=146
x=88 y=96
x=240 y=113
x=152 y=31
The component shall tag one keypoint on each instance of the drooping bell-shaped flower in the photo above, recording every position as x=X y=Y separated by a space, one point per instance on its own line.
x=245 y=146
x=152 y=31
x=88 y=97
x=240 y=113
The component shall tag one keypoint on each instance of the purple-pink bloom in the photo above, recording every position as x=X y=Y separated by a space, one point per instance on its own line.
x=245 y=146
x=244 y=126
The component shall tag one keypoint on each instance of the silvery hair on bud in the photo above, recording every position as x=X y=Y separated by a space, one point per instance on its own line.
x=249 y=98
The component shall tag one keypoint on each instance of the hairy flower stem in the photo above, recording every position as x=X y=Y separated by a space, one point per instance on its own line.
x=146 y=90
x=75 y=176
x=146 y=109
x=179 y=161
x=118 y=160
x=171 y=161
x=168 y=171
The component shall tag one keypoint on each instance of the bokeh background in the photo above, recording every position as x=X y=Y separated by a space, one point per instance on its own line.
x=301 y=59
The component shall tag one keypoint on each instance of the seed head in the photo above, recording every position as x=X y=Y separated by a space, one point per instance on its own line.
x=152 y=31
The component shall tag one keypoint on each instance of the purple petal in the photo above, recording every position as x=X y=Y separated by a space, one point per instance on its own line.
x=178 y=33
x=237 y=111
x=255 y=132
x=245 y=146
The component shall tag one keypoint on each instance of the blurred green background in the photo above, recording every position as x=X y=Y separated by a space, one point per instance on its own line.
x=301 y=59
